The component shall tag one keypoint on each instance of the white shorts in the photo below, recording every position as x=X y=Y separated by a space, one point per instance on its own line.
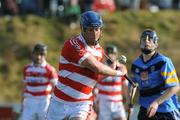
x=60 y=110
x=109 y=110
x=34 y=109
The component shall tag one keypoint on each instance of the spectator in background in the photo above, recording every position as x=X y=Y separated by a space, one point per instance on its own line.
x=176 y=4
x=123 y=4
x=165 y=4
x=32 y=7
x=86 y=5
x=45 y=7
x=104 y=6
x=39 y=80
x=9 y=7
x=72 y=13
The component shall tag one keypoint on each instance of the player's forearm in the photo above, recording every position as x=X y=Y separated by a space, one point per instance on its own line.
x=106 y=70
x=98 y=67
x=168 y=93
x=125 y=91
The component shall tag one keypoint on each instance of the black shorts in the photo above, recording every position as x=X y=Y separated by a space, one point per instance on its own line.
x=174 y=115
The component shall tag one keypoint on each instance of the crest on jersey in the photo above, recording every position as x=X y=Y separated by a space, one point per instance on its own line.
x=152 y=68
x=144 y=75
x=76 y=46
x=137 y=70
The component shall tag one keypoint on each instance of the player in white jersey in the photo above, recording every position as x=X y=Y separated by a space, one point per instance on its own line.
x=79 y=68
x=111 y=90
x=39 y=79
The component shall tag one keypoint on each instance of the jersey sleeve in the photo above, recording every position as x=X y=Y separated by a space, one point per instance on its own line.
x=132 y=74
x=24 y=73
x=53 y=75
x=74 y=51
x=169 y=75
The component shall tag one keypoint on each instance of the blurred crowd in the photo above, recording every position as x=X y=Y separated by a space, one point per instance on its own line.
x=62 y=7
x=71 y=9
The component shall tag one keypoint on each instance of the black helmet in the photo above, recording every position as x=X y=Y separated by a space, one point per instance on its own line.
x=40 y=48
x=111 y=49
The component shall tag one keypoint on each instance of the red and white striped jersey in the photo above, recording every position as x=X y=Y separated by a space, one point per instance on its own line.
x=76 y=82
x=110 y=88
x=38 y=80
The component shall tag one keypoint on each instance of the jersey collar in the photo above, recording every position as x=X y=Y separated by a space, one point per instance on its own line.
x=41 y=65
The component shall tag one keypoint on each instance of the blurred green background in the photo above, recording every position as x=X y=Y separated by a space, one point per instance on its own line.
x=18 y=34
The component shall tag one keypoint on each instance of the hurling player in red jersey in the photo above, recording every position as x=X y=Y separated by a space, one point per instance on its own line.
x=80 y=66
x=39 y=79
x=112 y=90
